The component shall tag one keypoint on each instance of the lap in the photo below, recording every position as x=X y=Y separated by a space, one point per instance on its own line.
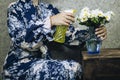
x=40 y=69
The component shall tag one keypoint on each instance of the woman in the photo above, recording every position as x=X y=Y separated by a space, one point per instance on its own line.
x=31 y=27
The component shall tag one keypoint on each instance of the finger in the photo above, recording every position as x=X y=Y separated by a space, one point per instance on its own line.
x=103 y=38
x=70 y=14
x=101 y=25
x=100 y=28
x=101 y=35
x=101 y=31
x=66 y=23
x=70 y=18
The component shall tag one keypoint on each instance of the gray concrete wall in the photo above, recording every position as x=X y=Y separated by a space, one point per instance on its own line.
x=112 y=41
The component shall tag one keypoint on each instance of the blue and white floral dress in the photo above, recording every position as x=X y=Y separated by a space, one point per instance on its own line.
x=30 y=28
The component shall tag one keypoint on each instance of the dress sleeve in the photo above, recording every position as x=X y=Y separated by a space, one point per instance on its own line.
x=31 y=36
x=75 y=36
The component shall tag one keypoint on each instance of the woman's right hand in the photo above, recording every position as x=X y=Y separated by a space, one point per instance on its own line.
x=63 y=18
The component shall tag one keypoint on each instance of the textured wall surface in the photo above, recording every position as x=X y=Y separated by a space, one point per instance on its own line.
x=4 y=38
x=112 y=41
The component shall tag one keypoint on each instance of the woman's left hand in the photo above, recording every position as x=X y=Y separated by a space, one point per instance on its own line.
x=101 y=32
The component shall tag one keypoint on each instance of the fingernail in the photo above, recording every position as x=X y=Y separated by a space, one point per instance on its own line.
x=101 y=38
x=96 y=29
x=98 y=35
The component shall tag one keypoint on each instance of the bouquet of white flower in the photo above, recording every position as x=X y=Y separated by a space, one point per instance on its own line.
x=93 y=17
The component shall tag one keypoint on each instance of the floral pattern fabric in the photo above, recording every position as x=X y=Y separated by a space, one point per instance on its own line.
x=30 y=28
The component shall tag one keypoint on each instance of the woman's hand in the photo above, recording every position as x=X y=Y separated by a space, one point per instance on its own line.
x=63 y=18
x=101 y=32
